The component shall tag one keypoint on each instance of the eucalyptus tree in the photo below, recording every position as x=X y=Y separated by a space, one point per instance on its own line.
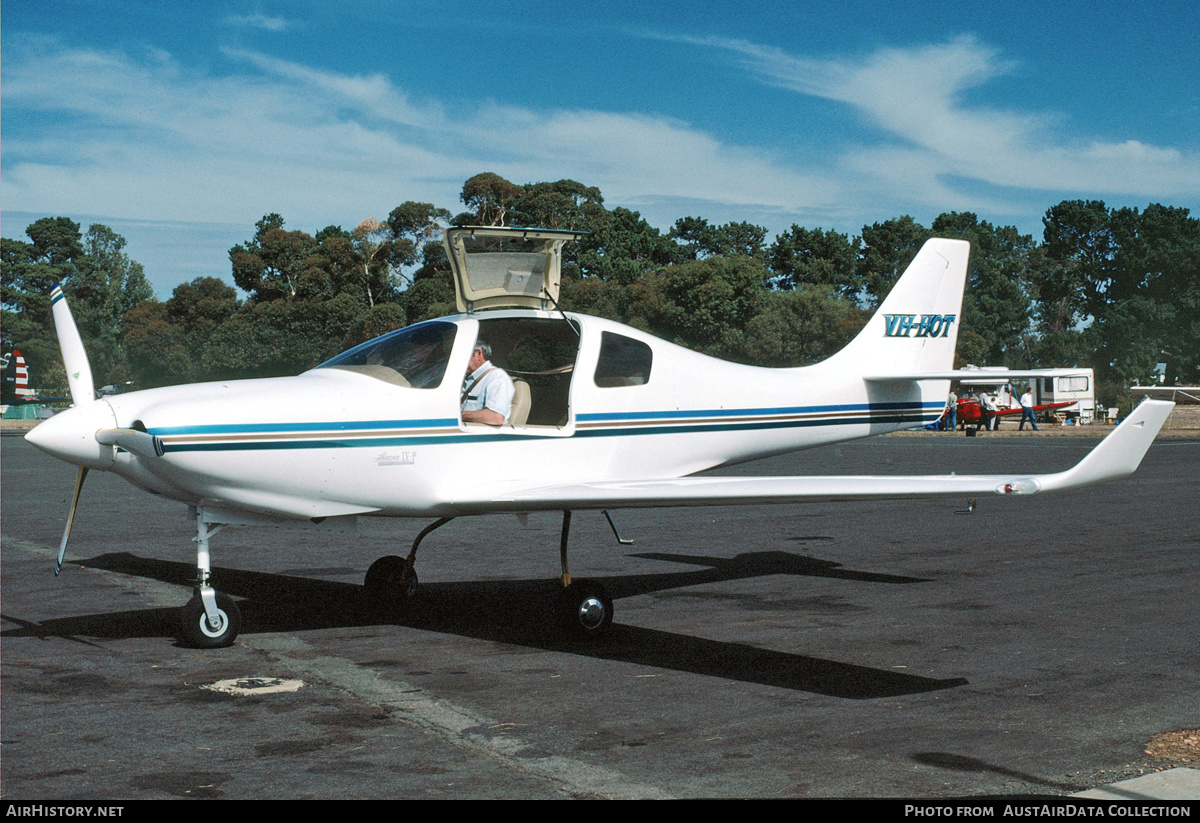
x=104 y=284
x=801 y=257
x=884 y=253
x=997 y=316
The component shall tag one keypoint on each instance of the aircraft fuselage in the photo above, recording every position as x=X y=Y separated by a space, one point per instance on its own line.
x=337 y=441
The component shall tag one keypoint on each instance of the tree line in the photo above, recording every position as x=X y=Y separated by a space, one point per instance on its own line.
x=1117 y=289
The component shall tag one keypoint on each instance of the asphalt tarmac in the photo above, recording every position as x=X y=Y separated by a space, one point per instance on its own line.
x=886 y=649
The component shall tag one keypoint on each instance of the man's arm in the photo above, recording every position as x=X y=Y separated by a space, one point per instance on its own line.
x=492 y=418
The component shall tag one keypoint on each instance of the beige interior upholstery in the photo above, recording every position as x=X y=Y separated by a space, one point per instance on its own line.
x=519 y=411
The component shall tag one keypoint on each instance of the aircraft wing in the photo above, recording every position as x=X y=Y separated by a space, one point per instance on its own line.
x=1118 y=455
x=973 y=374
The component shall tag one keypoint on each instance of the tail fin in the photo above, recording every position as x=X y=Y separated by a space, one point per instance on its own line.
x=916 y=327
x=21 y=372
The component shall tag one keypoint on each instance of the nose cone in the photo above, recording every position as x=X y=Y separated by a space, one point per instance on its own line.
x=71 y=435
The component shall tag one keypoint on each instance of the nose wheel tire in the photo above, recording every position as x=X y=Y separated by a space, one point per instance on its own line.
x=197 y=632
x=585 y=610
x=383 y=588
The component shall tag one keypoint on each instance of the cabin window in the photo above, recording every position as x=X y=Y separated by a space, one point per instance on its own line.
x=623 y=361
x=1071 y=384
x=414 y=357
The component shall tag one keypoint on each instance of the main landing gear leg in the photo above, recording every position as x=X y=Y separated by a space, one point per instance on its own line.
x=391 y=582
x=210 y=619
x=585 y=607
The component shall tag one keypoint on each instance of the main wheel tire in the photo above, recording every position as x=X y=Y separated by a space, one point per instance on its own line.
x=382 y=587
x=195 y=631
x=585 y=610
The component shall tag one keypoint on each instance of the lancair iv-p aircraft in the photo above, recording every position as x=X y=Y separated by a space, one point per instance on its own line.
x=603 y=416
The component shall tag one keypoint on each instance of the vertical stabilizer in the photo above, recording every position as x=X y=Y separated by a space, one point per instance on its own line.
x=916 y=327
x=21 y=372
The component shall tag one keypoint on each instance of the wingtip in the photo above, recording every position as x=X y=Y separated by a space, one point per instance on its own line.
x=1150 y=412
x=1120 y=453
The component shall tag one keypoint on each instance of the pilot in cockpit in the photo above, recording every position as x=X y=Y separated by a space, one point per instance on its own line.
x=487 y=390
x=425 y=363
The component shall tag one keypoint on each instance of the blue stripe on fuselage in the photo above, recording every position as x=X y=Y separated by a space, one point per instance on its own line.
x=270 y=428
x=852 y=407
x=905 y=413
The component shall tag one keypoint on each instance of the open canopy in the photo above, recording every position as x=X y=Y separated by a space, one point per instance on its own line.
x=496 y=267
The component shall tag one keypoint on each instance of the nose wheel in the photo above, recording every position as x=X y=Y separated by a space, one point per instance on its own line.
x=210 y=620
x=199 y=632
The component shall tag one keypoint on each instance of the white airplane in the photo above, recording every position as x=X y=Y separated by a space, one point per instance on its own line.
x=604 y=416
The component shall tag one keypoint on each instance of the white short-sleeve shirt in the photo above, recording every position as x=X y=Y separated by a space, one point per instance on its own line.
x=494 y=391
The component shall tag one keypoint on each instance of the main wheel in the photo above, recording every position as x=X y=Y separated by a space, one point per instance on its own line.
x=585 y=609
x=382 y=586
x=195 y=630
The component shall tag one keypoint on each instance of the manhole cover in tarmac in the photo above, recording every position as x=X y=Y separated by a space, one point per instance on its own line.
x=1183 y=745
x=255 y=685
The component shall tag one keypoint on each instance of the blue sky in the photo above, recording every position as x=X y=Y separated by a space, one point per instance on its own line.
x=180 y=125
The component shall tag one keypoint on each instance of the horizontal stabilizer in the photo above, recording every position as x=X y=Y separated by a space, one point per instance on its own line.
x=1118 y=455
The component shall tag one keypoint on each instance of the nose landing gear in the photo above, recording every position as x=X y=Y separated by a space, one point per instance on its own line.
x=210 y=620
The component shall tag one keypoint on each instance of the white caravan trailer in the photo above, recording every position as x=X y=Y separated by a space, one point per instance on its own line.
x=1080 y=387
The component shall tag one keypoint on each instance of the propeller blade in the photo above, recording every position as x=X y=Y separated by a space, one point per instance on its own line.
x=62 y=549
x=75 y=359
x=131 y=440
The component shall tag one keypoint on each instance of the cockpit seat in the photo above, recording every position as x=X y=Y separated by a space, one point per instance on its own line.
x=518 y=413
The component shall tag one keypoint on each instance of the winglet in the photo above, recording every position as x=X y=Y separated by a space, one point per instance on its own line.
x=1117 y=455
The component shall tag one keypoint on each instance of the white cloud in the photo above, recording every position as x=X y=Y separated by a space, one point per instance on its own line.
x=373 y=95
x=151 y=139
x=916 y=96
x=636 y=158
x=258 y=21
x=142 y=136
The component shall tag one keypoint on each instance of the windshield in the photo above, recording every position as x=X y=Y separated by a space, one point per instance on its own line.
x=415 y=356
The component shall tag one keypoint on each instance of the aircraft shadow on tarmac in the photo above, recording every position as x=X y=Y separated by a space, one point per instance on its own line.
x=512 y=611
